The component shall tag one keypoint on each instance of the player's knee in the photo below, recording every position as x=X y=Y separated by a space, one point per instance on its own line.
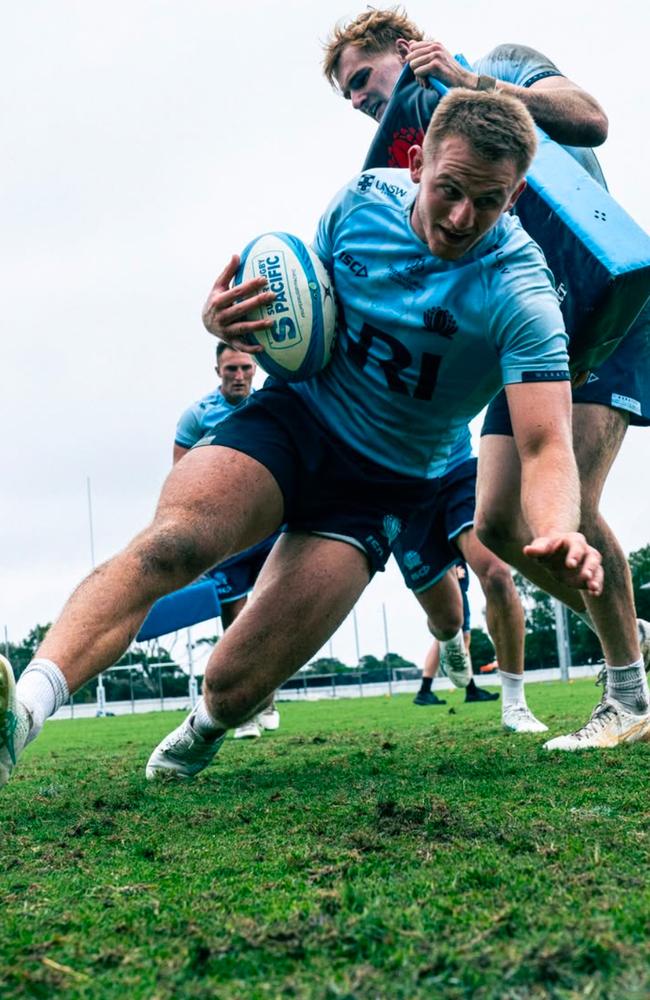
x=445 y=626
x=496 y=581
x=494 y=530
x=172 y=553
x=230 y=703
x=589 y=517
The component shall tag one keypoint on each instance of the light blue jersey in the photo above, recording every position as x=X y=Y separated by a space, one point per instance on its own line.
x=426 y=343
x=201 y=416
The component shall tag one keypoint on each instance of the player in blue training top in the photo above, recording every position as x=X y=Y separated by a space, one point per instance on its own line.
x=235 y=578
x=236 y=372
x=382 y=63
x=345 y=458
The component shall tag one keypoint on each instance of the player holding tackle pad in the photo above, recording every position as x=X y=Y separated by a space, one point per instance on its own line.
x=379 y=62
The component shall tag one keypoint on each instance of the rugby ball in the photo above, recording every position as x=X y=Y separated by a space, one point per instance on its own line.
x=301 y=340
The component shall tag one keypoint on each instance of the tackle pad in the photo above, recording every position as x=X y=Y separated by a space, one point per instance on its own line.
x=599 y=256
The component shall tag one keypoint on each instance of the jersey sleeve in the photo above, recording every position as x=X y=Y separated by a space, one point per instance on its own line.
x=323 y=244
x=527 y=326
x=188 y=429
x=516 y=64
x=324 y=241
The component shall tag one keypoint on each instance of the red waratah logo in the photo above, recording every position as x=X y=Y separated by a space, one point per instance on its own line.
x=398 y=151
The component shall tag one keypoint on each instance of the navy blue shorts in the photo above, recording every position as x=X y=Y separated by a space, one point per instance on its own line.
x=328 y=488
x=426 y=549
x=622 y=382
x=236 y=577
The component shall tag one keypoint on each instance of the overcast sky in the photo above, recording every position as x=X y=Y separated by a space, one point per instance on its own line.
x=144 y=142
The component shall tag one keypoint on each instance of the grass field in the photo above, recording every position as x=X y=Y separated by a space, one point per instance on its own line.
x=369 y=849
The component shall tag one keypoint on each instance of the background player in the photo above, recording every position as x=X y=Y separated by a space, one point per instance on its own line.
x=367 y=59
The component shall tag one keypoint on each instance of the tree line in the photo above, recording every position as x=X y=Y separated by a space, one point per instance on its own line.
x=147 y=678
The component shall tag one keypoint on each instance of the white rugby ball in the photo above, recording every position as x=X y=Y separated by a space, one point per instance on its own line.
x=301 y=340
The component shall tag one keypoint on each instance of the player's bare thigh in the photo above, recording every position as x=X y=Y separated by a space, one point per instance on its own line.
x=224 y=499
x=598 y=433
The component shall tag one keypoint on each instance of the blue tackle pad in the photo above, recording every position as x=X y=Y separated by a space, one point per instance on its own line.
x=599 y=256
x=185 y=607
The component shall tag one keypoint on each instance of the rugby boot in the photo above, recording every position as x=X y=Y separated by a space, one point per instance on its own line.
x=610 y=725
x=428 y=698
x=183 y=753
x=456 y=662
x=14 y=722
x=250 y=730
x=269 y=718
x=520 y=719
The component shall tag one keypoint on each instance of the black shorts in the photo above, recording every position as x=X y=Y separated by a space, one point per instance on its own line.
x=426 y=548
x=328 y=488
x=622 y=382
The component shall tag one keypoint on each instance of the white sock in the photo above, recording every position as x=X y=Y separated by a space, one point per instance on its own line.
x=42 y=690
x=512 y=690
x=628 y=686
x=204 y=724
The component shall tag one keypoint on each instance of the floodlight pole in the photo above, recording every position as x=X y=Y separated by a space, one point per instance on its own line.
x=562 y=636
x=90 y=523
x=101 y=692
x=356 y=643
x=390 y=669
x=193 y=687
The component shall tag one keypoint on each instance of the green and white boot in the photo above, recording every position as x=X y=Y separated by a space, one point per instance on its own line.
x=14 y=722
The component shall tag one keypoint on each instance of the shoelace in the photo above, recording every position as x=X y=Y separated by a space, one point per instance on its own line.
x=599 y=719
x=181 y=740
x=521 y=710
x=455 y=658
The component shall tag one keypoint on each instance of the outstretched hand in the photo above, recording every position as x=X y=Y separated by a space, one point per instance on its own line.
x=570 y=559
x=431 y=58
x=225 y=314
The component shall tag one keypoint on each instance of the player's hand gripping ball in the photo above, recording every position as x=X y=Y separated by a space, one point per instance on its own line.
x=301 y=339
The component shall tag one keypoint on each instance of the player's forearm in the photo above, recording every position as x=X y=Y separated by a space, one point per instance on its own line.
x=567 y=114
x=550 y=491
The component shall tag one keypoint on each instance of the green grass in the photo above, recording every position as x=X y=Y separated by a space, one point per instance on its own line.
x=369 y=849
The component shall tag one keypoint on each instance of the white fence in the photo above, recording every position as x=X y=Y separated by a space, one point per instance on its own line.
x=311 y=688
